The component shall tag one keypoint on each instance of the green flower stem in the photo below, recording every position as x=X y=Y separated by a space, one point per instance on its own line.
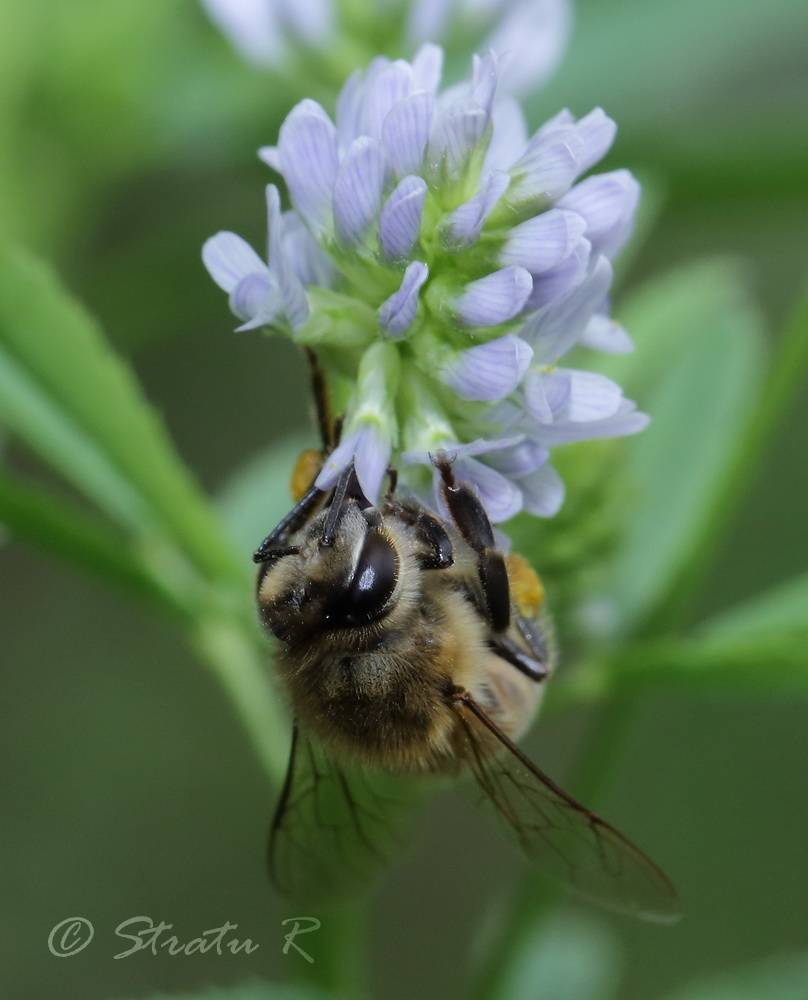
x=240 y=663
x=785 y=372
x=340 y=951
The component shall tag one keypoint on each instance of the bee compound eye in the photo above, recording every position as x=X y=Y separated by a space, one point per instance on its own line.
x=372 y=583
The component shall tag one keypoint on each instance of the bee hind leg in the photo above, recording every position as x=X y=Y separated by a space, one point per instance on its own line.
x=507 y=650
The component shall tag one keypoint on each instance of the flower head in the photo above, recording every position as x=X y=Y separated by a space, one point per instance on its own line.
x=453 y=261
x=322 y=37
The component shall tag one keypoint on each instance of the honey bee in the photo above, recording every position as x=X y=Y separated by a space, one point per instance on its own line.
x=409 y=645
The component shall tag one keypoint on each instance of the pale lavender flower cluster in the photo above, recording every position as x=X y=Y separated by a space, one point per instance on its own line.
x=451 y=261
x=277 y=32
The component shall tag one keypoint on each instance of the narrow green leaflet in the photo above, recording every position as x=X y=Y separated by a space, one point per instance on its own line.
x=672 y=312
x=252 y=991
x=258 y=495
x=72 y=401
x=782 y=977
x=783 y=609
x=570 y=959
x=641 y=37
x=34 y=517
x=700 y=408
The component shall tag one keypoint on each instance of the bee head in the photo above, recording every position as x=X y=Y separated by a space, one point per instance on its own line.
x=346 y=583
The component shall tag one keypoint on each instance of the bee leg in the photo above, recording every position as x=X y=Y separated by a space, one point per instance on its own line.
x=274 y=545
x=439 y=551
x=329 y=430
x=473 y=524
x=507 y=649
x=435 y=536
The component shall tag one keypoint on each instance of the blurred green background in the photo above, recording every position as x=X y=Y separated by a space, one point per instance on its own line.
x=128 y=133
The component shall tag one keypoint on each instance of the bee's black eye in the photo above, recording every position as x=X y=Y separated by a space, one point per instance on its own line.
x=372 y=583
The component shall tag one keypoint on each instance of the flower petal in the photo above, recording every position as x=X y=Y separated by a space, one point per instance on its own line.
x=488 y=372
x=310 y=263
x=398 y=312
x=548 y=167
x=369 y=452
x=592 y=396
x=253 y=26
x=358 y=191
x=312 y=21
x=519 y=460
x=543 y=241
x=349 y=110
x=535 y=32
x=293 y=296
x=495 y=298
x=386 y=89
x=371 y=460
x=555 y=329
x=400 y=221
x=500 y=497
x=603 y=334
x=485 y=75
x=607 y=203
x=229 y=259
x=256 y=299
x=597 y=131
x=464 y=225
x=561 y=279
x=542 y=492
x=546 y=394
x=427 y=19
x=481 y=446
x=455 y=135
x=627 y=420
x=405 y=133
x=427 y=66
x=509 y=135
x=307 y=151
x=270 y=156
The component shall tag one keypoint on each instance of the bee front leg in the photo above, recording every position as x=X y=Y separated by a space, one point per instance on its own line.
x=473 y=524
x=437 y=551
x=274 y=545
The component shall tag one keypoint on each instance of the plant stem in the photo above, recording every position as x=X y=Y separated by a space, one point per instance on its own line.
x=340 y=953
x=234 y=656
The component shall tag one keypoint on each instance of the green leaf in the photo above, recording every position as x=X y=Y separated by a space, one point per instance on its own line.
x=65 y=393
x=670 y=313
x=782 y=977
x=708 y=381
x=252 y=991
x=33 y=516
x=258 y=495
x=783 y=609
x=643 y=37
x=571 y=959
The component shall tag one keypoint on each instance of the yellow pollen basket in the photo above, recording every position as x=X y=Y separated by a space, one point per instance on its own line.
x=526 y=587
x=306 y=470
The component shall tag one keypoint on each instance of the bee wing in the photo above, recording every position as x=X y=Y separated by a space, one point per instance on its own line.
x=334 y=827
x=568 y=841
